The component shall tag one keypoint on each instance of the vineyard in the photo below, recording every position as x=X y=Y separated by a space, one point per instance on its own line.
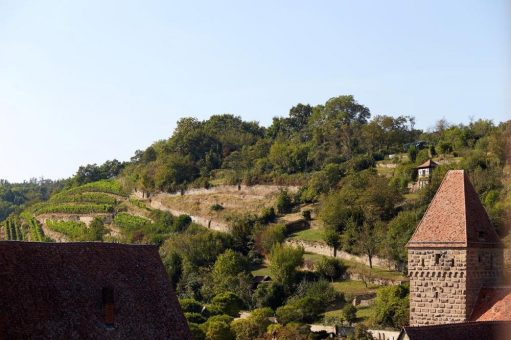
x=130 y=222
x=105 y=186
x=78 y=208
x=85 y=197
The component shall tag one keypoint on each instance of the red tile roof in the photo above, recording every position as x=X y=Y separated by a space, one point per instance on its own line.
x=487 y=330
x=455 y=217
x=428 y=164
x=493 y=304
x=55 y=291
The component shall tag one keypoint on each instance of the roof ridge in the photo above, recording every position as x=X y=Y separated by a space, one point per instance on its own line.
x=427 y=209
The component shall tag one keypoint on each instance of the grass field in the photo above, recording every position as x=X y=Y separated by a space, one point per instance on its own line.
x=313 y=234
x=352 y=287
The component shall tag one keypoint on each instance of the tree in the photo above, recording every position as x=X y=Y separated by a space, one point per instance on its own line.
x=391 y=306
x=332 y=239
x=361 y=333
x=219 y=330
x=269 y=294
x=330 y=268
x=229 y=302
x=369 y=239
x=97 y=229
x=272 y=235
x=444 y=148
x=412 y=153
x=284 y=262
x=284 y=202
x=349 y=312
x=253 y=326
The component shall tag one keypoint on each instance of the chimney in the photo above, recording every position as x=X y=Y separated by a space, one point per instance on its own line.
x=108 y=305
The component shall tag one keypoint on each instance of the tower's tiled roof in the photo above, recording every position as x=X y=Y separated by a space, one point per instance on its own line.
x=54 y=291
x=493 y=303
x=428 y=164
x=455 y=217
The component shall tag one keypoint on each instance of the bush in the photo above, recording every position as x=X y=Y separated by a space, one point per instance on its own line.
x=412 y=153
x=190 y=305
x=229 y=302
x=216 y=207
x=254 y=326
x=181 y=223
x=306 y=215
x=196 y=331
x=284 y=262
x=272 y=235
x=194 y=317
x=267 y=216
x=391 y=306
x=284 y=202
x=219 y=330
x=349 y=312
x=330 y=268
x=218 y=327
x=269 y=294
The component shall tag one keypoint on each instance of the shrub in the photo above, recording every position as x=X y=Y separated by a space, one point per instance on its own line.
x=284 y=203
x=229 y=302
x=216 y=207
x=330 y=268
x=269 y=294
x=195 y=317
x=391 y=307
x=284 y=262
x=196 y=331
x=272 y=235
x=267 y=216
x=182 y=222
x=306 y=215
x=349 y=312
x=190 y=305
x=253 y=326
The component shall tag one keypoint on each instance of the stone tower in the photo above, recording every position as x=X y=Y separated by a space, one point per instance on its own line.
x=452 y=254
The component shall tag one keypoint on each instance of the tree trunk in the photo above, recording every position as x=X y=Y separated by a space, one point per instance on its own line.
x=370 y=256
x=335 y=252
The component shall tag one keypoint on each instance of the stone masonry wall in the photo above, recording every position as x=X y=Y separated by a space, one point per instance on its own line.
x=485 y=268
x=445 y=283
x=437 y=286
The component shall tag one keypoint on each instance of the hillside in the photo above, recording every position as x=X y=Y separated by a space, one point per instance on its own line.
x=251 y=217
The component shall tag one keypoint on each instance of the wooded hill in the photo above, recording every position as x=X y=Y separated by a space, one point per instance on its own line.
x=353 y=174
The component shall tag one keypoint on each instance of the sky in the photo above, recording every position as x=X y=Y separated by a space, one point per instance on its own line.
x=85 y=81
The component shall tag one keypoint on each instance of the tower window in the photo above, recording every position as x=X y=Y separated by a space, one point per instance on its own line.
x=422 y=262
x=452 y=262
x=108 y=305
x=437 y=258
x=481 y=235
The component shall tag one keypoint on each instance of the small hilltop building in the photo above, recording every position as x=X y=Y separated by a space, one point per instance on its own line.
x=424 y=172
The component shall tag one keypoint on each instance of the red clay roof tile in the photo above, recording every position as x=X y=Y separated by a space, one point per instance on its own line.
x=455 y=217
x=493 y=303
x=54 y=291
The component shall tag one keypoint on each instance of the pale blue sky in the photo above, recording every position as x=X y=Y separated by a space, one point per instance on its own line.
x=86 y=81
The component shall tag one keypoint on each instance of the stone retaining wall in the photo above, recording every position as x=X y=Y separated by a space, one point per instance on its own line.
x=322 y=249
